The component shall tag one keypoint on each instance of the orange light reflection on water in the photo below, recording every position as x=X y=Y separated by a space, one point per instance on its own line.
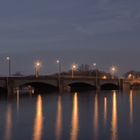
x=8 y=129
x=96 y=115
x=38 y=124
x=105 y=110
x=75 y=118
x=131 y=106
x=114 y=117
x=59 y=119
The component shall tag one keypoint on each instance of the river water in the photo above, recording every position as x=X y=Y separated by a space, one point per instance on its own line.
x=106 y=115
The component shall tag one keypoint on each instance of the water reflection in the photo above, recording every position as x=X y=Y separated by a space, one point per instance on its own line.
x=102 y=122
x=105 y=110
x=96 y=115
x=59 y=119
x=8 y=126
x=114 y=117
x=75 y=118
x=38 y=124
x=131 y=106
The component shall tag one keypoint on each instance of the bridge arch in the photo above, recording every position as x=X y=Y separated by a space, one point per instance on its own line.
x=3 y=90
x=40 y=87
x=109 y=86
x=135 y=85
x=81 y=86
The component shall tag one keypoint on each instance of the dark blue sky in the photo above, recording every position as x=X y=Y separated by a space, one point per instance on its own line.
x=82 y=31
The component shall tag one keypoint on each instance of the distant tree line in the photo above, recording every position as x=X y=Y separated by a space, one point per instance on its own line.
x=86 y=70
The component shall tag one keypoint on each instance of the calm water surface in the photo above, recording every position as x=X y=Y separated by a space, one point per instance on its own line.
x=109 y=115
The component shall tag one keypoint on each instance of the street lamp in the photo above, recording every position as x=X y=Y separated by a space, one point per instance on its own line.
x=59 y=66
x=96 y=71
x=74 y=67
x=104 y=77
x=130 y=76
x=59 y=71
x=113 y=71
x=94 y=64
x=9 y=65
x=37 y=67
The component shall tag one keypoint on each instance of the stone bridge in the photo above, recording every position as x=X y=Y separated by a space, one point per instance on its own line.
x=132 y=83
x=63 y=83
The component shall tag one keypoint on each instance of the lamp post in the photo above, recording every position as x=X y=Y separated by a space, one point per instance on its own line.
x=95 y=67
x=59 y=71
x=37 y=67
x=9 y=65
x=59 y=67
x=74 y=67
x=113 y=70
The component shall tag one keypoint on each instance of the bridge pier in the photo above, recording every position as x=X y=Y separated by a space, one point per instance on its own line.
x=62 y=86
x=97 y=85
x=121 y=84
x=9 y=86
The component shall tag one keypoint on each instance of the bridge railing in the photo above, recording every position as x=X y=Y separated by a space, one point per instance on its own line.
x=56 y=77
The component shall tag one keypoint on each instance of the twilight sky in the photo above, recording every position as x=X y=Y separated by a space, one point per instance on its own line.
x=82 y=31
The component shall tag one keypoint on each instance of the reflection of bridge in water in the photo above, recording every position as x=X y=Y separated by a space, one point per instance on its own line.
x=64 y=83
